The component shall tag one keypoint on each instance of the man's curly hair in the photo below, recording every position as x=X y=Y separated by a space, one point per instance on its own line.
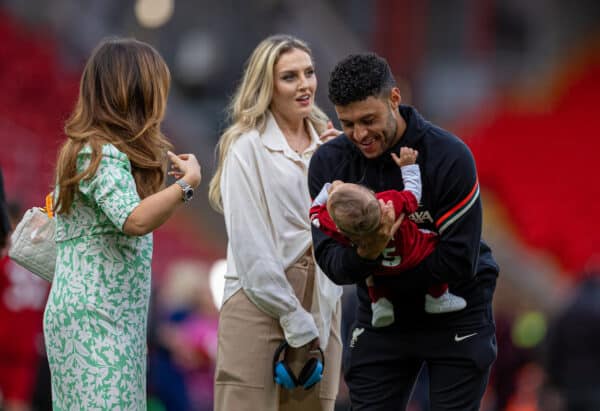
x=358 y=77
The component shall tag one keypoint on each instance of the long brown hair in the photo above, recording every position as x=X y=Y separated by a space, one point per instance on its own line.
x=248 y=107
x=122 y=101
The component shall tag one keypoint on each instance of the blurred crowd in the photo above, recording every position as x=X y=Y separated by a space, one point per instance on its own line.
x=547 y=364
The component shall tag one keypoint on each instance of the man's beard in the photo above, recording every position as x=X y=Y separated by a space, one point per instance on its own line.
x=390 y=131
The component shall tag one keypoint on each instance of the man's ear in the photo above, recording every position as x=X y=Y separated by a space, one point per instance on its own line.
x=395 y=98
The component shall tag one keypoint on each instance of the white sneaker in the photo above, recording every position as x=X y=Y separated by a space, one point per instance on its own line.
x=383 y=313
x=445 y=303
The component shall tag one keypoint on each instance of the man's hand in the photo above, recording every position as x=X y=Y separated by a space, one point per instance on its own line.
x=370 y=247
x=334 y=185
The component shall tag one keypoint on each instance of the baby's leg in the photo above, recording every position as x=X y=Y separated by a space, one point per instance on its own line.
x=439 y=300
x=383 y=310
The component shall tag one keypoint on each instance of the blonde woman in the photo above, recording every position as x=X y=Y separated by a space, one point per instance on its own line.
x=110 y=173
x=273 y=290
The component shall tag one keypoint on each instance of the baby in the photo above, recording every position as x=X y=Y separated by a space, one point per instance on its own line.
x=346 y=211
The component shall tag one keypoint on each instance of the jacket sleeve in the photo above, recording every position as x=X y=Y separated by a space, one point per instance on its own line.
x=339 y=262
x=260 y=269
x=458 y=220
x=411 y=176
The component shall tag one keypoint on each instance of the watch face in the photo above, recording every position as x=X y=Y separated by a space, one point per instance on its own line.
x=188 y=191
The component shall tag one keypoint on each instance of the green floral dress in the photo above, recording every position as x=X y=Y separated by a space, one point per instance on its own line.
x=96 y=316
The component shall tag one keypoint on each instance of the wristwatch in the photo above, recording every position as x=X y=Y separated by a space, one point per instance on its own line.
x=187 y=190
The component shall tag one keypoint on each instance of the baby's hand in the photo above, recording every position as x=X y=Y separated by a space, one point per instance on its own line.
x=407 y=157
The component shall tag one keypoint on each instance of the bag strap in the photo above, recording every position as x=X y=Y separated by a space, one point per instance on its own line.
x=48 y=209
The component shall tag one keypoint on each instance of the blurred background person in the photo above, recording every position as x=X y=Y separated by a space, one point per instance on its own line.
x=184 y=349
x=273 y=291
x=22 y=299
x=572 y=356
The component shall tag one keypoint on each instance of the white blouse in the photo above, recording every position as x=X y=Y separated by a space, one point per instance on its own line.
x=266 y=204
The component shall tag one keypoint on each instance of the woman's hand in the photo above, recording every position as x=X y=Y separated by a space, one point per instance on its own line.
x=185 y=166
x=313 y=348
x=329 y=133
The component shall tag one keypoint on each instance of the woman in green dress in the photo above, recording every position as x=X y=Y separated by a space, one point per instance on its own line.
x=109 y=199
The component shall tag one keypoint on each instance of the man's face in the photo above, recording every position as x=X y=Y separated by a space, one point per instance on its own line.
x=372 y=124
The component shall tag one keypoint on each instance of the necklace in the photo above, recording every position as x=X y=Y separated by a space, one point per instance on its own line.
x=299 y=145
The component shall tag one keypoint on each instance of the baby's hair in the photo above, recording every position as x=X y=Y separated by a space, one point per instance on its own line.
x=354 y=209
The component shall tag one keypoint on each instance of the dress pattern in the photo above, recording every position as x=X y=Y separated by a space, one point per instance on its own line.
x=96 y=316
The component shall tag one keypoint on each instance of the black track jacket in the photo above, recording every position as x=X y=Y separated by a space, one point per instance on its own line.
x=450 y=206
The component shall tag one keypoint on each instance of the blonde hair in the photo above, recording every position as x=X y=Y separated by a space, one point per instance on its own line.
x=248 y=107
x=122 y=100
x=354 y=209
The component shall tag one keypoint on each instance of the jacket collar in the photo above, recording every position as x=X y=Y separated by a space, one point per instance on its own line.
x=416 y=126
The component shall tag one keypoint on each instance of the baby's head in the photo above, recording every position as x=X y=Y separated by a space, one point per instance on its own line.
x=353 y=208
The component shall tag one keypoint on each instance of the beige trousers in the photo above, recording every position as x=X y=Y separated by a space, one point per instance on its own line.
x=248 y=339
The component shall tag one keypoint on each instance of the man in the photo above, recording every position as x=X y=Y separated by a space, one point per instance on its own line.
x=382 y=364
x=572 y=358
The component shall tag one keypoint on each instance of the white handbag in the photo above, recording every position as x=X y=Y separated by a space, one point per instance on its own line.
x=33 y=243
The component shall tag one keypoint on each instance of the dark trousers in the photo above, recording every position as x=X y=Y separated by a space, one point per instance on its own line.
x=381 y=366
